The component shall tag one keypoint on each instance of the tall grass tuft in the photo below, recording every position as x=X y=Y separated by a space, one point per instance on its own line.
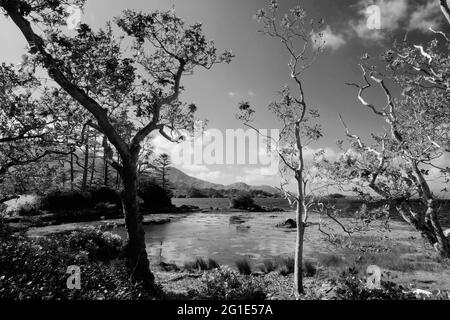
x=244 y=267
x=200 y=264
x=286 y=265
x=268 y=266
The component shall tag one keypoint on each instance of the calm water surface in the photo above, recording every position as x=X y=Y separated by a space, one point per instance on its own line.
x=225 y=237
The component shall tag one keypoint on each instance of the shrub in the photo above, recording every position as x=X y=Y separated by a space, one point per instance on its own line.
x=244 y=267
x=58 y=200
x=105 y=195
x=243 y=201
x=36 y=269
x=98 y=245
x=226 y=284
x=154 y=196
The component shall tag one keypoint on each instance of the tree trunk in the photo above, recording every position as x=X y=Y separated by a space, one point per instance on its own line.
x=428 y=225
x=71 y=172
x=442 y=245
x=94 y=156
x=86 y=163
x=298 y=271
x=105 y=182
x=135 y=249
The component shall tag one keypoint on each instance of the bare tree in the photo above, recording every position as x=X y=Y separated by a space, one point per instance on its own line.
x=303 y=42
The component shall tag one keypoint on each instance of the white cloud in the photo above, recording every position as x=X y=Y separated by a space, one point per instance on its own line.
x=425 y=16
x=395 y=15
x=212 y=176
x=232 y=94
x=194 y=168
x=329 y=39
x=251 y=93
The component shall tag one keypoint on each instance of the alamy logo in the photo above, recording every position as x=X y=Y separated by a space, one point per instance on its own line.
x=74 y=280
x=236 y=147
x=374 y=277
x=74 y=19
x=373 y=14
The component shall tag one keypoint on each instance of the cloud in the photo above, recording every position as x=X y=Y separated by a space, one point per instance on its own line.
x=212 y=176
x=231 y=94
x=394 y=15
x=426 y=16
x=329 y=39
x=251 y=93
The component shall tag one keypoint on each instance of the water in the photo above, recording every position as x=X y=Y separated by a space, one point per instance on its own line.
x=227 y=236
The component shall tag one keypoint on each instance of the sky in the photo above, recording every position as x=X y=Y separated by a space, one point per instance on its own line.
x=260 y=67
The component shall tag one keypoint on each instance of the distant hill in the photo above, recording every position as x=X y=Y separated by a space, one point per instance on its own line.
x=183 y=184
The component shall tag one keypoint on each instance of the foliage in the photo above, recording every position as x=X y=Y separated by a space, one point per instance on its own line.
x=36 y=269
x=60 y=201
x=243 y=201
x=94 y=243
x=154 y=196
x=226 y=284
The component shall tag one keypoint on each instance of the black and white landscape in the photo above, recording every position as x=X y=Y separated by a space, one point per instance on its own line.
x=224 y=150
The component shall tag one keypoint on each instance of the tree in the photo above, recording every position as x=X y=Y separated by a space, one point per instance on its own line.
x=162 y=163
x=401 y=162
x=110 y=81
x=31 y=129
x=292 y=109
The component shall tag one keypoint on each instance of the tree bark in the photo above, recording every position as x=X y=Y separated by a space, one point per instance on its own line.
x=429 y=227
x=94 y=156
x=298 y=268
x=137 y=259
x=72 y=178
x=86 y=162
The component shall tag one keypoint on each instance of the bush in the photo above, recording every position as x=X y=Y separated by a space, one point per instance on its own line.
x=154 y=196
x=36 y=269
x=98 y=245
x=226 y=284
x=243 y=201
x=244 y=267
x=58 y=200
x=105 y=195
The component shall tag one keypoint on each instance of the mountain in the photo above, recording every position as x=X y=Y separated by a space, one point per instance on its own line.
x=182 y=183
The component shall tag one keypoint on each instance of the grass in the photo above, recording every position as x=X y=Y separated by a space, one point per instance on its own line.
x=285 y=265
x=268 y=266
x=201 y=264
x=244 y=267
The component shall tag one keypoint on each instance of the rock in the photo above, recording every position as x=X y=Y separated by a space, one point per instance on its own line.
x=289 y=223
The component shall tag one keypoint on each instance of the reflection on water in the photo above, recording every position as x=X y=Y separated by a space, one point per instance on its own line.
x=221 y=236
